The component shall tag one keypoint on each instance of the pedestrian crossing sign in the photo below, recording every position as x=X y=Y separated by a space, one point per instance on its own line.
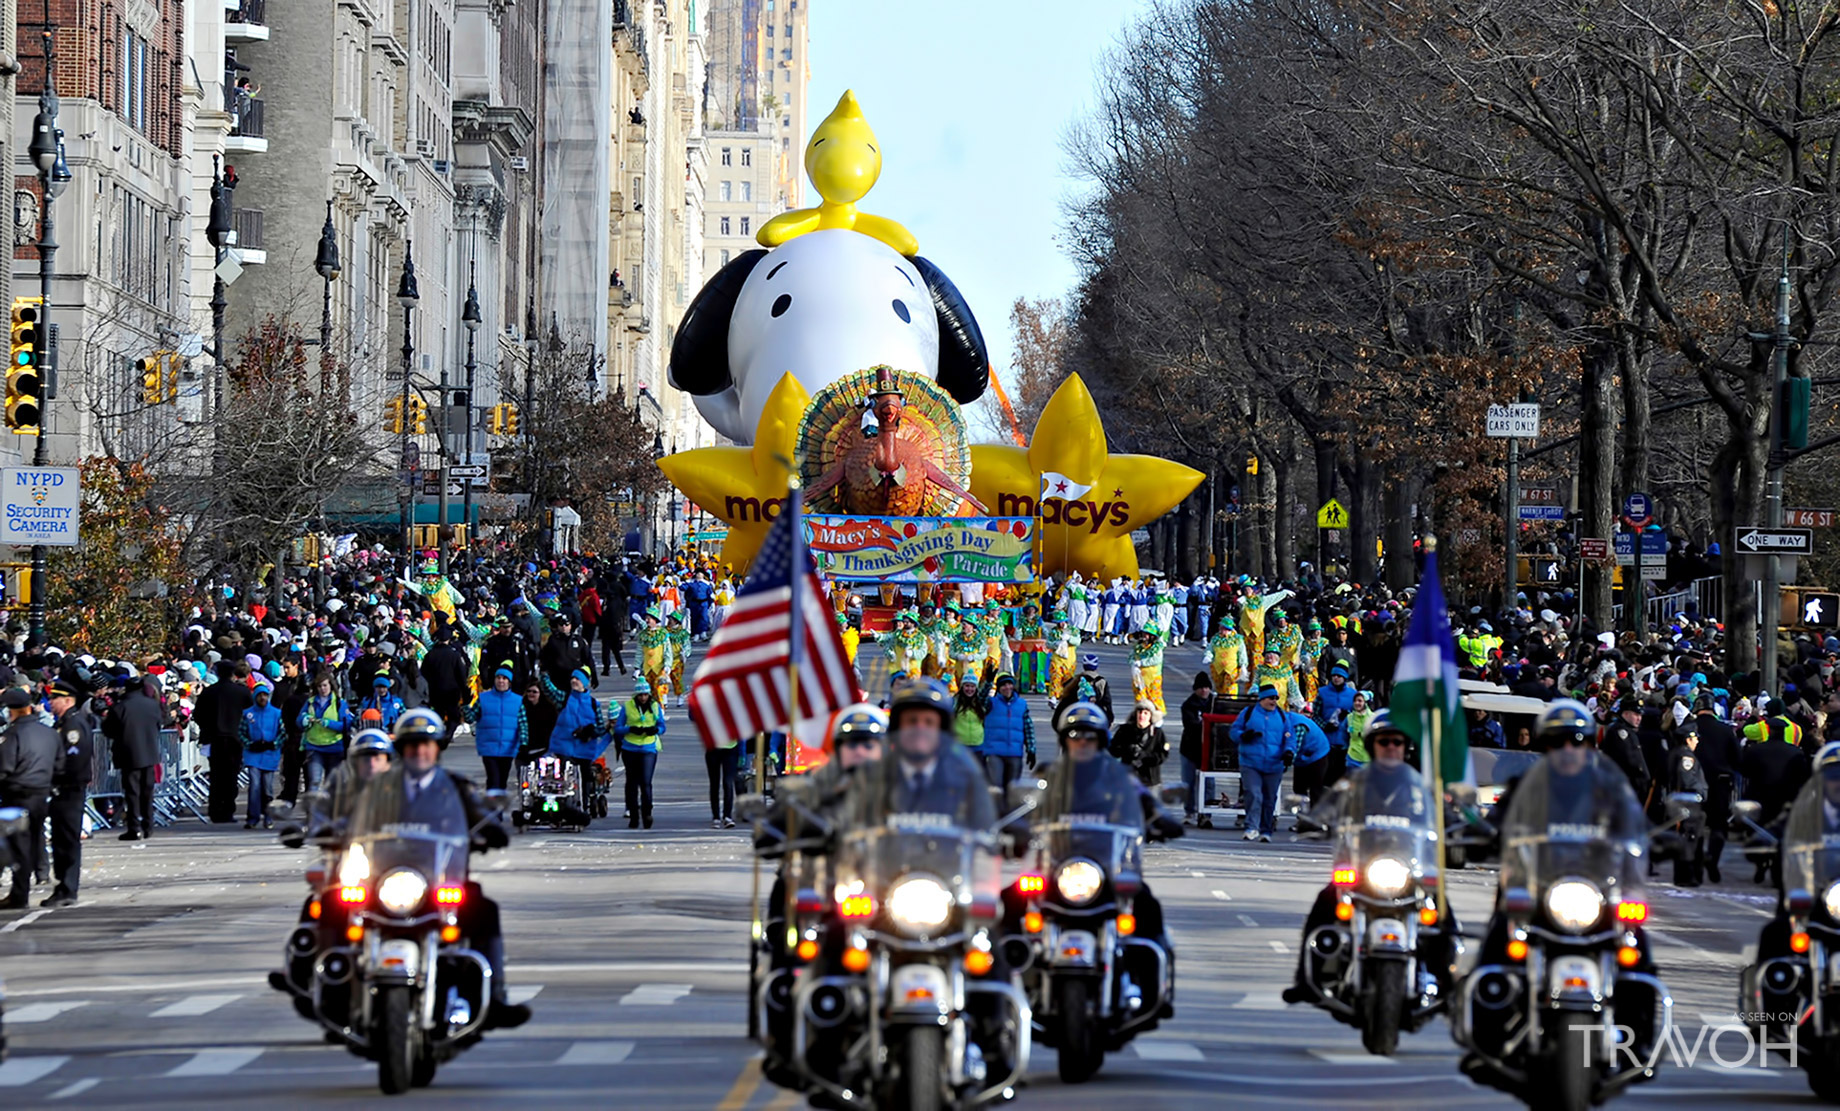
x=1332 y=515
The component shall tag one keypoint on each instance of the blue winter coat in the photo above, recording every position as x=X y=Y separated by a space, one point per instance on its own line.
x=1312 y=743
x=1008 y=728
x=390 y=706
x=577 y=710
x=1340 y=704
x=1265 y=737
x=500 y=727
x=261 y=725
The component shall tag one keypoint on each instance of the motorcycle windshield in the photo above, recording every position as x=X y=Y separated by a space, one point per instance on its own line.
x=1811 y=840
x=964 y=861
x=1385 y=812
x=440 y=859
x=1586 y=825
x=1116 y=848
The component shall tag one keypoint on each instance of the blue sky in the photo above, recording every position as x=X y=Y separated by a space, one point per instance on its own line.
x=970 y=102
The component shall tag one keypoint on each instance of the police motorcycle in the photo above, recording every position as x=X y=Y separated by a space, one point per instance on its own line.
x=1378 y=953
x=1563 y=1008
x=13 y=821
x=405 y=987
x=1791 y=996
x=913 y=1007
x=1094 y=979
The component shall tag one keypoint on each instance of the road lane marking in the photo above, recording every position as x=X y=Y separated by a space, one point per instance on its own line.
x=1166 y=1051
x=654 y=995
x=1279 y=947
x=27 y=920
x=20 y=1071
x=42 y=1012
x=215 y=1062
x=524 y=993
x=150 y=987
x=1223 y=896
x=1198 y=875
x=1350 y=1057
x=1248 y=920
x=1262 y=1001
x=596 y=1053
x=741 y=1093
x=786 y=1100
x=194 y=1005
x=76 y=1089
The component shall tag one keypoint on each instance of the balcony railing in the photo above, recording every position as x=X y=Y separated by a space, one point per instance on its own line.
x=248 y=122
x=248 y=223
x=249 y=11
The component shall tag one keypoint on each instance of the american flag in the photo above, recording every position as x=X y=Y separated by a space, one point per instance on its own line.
x=740 y=687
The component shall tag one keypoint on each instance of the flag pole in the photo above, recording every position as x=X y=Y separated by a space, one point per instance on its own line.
x=1436 y=732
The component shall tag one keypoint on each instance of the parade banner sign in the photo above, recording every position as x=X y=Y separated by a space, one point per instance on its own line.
x=921 y=549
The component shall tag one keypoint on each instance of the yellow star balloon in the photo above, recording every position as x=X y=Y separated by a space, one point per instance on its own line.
x=745 y=487
x=1102 y=496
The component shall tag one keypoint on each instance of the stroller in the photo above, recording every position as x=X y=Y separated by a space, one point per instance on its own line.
x=553 y=794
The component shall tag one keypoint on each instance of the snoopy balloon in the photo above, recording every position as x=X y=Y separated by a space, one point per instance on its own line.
x=837 y=290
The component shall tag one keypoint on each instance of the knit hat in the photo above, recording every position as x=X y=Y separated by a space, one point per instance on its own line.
x=586 y=676
x=1203 y=681
x=641 y=685
x=381 y=681
x=506 y=672
x=1268 y=691
x=1089 y=662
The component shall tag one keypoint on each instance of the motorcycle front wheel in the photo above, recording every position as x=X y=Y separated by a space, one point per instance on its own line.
x=1574 y=1076
x=1386 y=996
x=392 y=1038
x=1080 y=1054
x=923 y=1068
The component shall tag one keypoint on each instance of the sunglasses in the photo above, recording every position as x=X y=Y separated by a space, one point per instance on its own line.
x=858 y=742
x=1389 y=740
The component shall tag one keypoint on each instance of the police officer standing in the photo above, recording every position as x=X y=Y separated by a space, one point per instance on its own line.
x=29 y=754
x=1687 y=775
x=69 y=788
x=1718 y=754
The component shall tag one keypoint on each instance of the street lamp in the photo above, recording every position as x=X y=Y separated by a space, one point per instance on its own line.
x=47 y=151
x=470 y=317
x=218 y=230
x=664 y=506
x=407 y=294
x=326 y=263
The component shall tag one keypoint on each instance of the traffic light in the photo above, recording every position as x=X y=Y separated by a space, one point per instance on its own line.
x=1252 y=464
x=22 y=373
x=393 y=416
x=418 y=415
x=153 y=371
x=510 y=419
x=175 y=366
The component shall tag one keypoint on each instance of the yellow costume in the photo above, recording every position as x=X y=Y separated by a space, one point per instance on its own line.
x=1065 y=641
x=1226 y=658
x=1147 y=667
x=1252 y=610
x=654 y=652
x=680 y=650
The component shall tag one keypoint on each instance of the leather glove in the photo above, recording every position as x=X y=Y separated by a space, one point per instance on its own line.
x=1288 y=759
x=1030 y=758
x=493 y=836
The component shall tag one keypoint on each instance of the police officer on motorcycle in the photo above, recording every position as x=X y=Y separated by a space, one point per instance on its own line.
x=928 y=775
x=417 y=790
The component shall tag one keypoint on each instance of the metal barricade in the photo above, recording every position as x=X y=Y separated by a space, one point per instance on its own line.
x=105 y=803
x=180 y=785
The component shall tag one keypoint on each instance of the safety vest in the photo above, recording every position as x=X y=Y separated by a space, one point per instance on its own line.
x=642 y=730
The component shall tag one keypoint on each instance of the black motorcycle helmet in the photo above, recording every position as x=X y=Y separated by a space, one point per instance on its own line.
x=930 y=693
x=1565 y=722
x=1085 y=719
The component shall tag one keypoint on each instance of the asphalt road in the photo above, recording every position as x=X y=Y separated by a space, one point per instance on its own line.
x=630 y=947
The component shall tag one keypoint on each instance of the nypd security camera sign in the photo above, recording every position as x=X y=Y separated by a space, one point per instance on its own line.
x=39 y=505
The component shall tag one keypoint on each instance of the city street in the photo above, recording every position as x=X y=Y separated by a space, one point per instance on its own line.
x=630 y=948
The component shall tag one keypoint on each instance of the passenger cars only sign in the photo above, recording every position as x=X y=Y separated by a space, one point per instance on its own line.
x=40 y=505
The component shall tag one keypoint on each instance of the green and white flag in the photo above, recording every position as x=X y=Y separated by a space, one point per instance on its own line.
x=1425 y=682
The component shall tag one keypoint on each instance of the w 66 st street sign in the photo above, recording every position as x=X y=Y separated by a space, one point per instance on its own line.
x=1775 y=541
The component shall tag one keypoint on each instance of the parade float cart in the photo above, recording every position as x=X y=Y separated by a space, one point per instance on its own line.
x=1216 y=785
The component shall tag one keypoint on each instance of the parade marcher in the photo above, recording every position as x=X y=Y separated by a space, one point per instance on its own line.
x=1333 y=705
x=132 y=726
x=1338 y=651
x=1719 y=754
x=449 y=675
x=1031 y=651
x=1226 y=652
x=501 y=728
x=1272 y=673
x=388 y=706
x=582 y=730
x=1267 y=747
x=1064 y=642
x=613 y=623
x=654 y=651
x=261 y=735
x=1009 y=734
x=969 y=706
x=639 y=726
x=565 y=653
x=1147 y=666
x=29 y=753
x=1140 y=744
x=679 y=637
x=324 y=721
x=722 y=761
x=70 y=788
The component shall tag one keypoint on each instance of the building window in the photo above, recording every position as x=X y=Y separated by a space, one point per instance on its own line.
x=728 y=189
x=747 y=190
x=770 y=35
x=747 y=156
x=725 y=263
x=728 y=157
x=745 y=221
x=725 y=230
x=789 y=35
x=132 y=103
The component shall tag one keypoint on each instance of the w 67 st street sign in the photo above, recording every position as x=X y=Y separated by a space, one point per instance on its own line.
x=1775 y=541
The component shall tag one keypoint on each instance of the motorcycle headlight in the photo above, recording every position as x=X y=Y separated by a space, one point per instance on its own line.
x=1832 y=900
x=1574 y=904
x=919 y=902
x=355 y=867
x=402 y=891
x=1388 y=876
x=1079 y=881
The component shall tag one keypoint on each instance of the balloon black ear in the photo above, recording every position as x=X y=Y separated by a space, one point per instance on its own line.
x=699 y=354
x=964 y=361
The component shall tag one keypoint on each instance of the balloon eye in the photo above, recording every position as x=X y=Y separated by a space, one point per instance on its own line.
x=781 y=304
x=900 y=310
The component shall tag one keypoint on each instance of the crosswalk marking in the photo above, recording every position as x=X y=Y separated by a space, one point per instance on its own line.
x=42 y=1012
x=1166 y=1051
x=1350 y=1057
x=215 y=1062
x=21 y=1071
x=654 y=995
x=1223 y=896
x=1248 y=920
x=194 y=1005
x=75 y=1089
x=1262 y=1001
x=523 y=993
x=1279 y=947
x=595 y=1053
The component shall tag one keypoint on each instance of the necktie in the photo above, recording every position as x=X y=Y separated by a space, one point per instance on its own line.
x=917 y=786
x=411 y=789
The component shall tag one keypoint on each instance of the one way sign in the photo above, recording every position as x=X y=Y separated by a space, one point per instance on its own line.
x=1782 y=541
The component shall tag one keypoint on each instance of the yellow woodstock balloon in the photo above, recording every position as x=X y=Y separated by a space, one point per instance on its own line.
x=844 y=163
x=1102 y=496
x=745 y=487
